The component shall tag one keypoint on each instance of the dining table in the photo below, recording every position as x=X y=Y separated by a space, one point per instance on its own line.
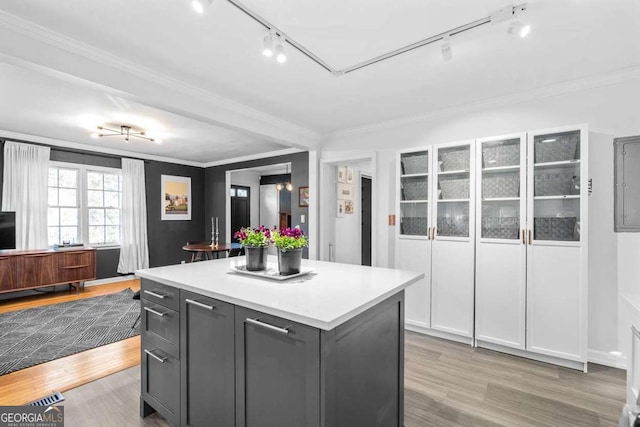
x=205 y=251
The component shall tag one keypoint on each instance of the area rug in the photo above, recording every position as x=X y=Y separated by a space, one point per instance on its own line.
x=37 y=335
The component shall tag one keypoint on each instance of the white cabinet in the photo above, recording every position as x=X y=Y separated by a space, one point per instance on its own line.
x=436 y=236
x=499 y=227
x=531 y=269
x=501 y=263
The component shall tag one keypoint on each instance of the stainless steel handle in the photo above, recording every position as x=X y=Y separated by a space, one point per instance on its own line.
x=153 y=294
x=156 y=312
x=158 y=358
x=257 y=322
x=199 y=304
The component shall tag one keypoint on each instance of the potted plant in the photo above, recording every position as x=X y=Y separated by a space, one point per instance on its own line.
x=256 y=243
x=290 y=242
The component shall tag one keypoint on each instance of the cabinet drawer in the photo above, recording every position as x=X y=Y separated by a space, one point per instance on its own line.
x=161 y=326
x=8 y=274
x=161 y=383
x=160 y=294
x=76 y=258
x=38 y=269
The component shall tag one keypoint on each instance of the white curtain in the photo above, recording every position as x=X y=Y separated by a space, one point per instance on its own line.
x=134 y=250
x=25 y=190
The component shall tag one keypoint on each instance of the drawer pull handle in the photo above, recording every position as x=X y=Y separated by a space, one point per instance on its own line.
x=257 y=322
x=153 y=294
x=158 y=358
x=157 y=313
x=199 y=304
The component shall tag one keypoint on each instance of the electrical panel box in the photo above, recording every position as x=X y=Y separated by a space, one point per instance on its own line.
x=627 y=184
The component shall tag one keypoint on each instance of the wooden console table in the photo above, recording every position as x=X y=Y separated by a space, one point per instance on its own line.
x=22 y=270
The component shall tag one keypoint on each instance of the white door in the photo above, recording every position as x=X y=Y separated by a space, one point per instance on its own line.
x=413 y=250
x=501 y=263
x=453 y=263
x=557 y=233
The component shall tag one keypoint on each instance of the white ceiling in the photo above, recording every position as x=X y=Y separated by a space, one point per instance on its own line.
x=203 y=79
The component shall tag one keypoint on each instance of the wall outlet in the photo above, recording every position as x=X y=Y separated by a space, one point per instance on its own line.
x=302 y=218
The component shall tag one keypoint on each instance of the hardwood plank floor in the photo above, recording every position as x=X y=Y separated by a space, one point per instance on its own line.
x=69 y=372
x=446 y=384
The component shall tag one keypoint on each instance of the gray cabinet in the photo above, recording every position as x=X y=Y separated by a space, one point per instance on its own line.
x=207 y=361
x=627 y=184
x=277 y=372
x=160 y=358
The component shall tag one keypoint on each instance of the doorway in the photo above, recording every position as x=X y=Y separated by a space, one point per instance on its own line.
x=240 y=208
x=365 y=220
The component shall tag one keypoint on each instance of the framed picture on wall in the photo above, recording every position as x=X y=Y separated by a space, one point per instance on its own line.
x=340 y=209
x=303 y=197
x=348 y=206
x=176 y=198
x=349 y=176
x=342 y=174
x=345 y=192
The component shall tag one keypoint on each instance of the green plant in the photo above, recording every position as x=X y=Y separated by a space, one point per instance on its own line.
x=254 y=237
x=290 y=238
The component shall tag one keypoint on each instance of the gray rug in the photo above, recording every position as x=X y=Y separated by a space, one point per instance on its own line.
x=37 y=335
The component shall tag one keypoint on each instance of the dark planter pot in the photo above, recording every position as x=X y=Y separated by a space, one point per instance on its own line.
x=289 y=261
x=256 y=258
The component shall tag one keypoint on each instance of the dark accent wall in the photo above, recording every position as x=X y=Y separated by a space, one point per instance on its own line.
x=166 y=238
x=215 y=196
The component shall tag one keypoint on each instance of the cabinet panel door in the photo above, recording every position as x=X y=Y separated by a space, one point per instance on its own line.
x=8 y=274
x=207 y=361
x=37 y=270
x=161 y=382
x=277 y=372
x=555 y=302
x=415 y=255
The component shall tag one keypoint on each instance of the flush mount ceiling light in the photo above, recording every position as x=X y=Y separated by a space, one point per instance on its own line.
x=502 y=15
x=125 y=131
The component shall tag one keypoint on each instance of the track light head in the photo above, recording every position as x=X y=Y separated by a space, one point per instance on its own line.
x=445 y=48
x=267 y=45
x=520 y=29
x=197 y=6
x=280 y=55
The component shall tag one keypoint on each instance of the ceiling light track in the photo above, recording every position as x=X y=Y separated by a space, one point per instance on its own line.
x=505 y=13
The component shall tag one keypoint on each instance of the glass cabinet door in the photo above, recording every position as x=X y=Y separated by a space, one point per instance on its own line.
x=556 y=186
x=500 y=189
x=414 y=193
x=453 y=193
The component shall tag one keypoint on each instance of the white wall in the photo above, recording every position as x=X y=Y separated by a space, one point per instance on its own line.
x=607 y=109
x=250 y=179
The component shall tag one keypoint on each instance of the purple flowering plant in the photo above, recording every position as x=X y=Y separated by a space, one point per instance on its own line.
x=290 y=238
x=254 y=237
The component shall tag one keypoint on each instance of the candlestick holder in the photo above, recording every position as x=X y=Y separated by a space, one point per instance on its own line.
x=214 y=237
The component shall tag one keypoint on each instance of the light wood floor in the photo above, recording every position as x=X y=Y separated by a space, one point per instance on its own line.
x=446 y=384
x=63 y=374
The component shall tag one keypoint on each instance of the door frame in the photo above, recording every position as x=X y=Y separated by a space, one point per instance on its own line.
x=326 y=213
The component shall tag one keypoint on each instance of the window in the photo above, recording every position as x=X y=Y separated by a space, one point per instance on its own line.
x=84 y=204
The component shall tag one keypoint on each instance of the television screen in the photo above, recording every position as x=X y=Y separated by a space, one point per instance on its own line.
x=7 y=230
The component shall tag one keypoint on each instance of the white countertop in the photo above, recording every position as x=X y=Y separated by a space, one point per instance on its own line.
x=332 y=294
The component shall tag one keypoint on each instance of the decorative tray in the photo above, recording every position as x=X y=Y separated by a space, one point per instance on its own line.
x=271 y=272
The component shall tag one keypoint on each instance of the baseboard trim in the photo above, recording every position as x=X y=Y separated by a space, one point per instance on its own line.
x=607 y=359
x=415 y=327
x=110 y=280
x=580 y=366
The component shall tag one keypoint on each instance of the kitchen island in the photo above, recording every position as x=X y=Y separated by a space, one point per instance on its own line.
x=220 y=348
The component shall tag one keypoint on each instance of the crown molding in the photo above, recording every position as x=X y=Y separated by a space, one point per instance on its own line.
x=572 y=86
x=37 y=32
x=6 y=134
x=254 y=157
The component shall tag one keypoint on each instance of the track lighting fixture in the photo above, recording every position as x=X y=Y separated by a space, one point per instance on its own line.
x=125 y=131
x=280 y=55
x=267 y=45
x=198 y=7
x=445 y=48
x=517 y=27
